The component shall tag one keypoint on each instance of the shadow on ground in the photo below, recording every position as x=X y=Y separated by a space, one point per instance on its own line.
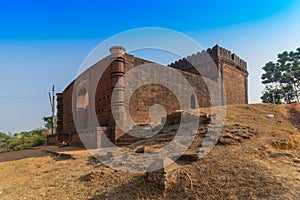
x=35 y=152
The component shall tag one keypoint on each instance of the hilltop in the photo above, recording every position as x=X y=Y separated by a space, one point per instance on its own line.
x=257 y=158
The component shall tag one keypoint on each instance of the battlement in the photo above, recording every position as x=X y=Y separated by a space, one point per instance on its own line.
x=216 y=53
x=220 y=53
x=190 y=61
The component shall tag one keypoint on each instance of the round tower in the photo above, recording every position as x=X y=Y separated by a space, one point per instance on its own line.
x=118 y=87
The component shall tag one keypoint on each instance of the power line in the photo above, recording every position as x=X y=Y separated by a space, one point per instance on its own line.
x=20 y=97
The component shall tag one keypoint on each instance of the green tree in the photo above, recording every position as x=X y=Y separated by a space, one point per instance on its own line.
x=23 y=140
x=38 y=132
x=47 y=122
x=4 y=136
x=282 y=79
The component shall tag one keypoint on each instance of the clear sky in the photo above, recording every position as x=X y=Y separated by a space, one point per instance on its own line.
x=44 y=42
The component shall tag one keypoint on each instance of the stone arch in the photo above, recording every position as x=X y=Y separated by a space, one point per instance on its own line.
x=82 y=104
x=82 y=99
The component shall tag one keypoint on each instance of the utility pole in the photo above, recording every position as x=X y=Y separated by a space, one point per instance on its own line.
x=52 y=103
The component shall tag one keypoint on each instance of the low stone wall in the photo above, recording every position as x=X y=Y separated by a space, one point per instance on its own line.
x=75 y=140
x=56 y=139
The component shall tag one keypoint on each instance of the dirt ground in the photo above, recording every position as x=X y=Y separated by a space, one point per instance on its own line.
x=265 y=166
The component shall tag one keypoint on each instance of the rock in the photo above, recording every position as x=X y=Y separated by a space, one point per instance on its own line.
x=162 y=172
x=64 y=156
x=92 y=161
x=202 y=130
x=189 y=157
x=139 y=149
x=296 y=160
x=231 y=136
x=63 y=144
x=225 y=141
x=105 y=157
x=277 y=155
x=242 y=135
x=236 y=133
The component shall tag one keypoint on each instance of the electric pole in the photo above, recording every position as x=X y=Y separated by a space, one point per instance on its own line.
x=52 y=103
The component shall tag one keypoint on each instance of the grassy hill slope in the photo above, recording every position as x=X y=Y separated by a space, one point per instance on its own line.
x=266 y=166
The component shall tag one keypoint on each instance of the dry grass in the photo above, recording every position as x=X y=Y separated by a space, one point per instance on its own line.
x=263 y=167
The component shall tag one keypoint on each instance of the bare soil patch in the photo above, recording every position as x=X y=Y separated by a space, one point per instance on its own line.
x=265 y=165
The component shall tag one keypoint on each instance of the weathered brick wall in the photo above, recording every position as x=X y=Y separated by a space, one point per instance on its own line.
x=56 y=139
x=234 y=83
x=52 y=140
x=104 y=93
x=68 y=123
x=103 y=99
x=59 y=125
x=75 y=140
x=234 y=72
x=148 y=95
x=141 y=100
x=200 y=88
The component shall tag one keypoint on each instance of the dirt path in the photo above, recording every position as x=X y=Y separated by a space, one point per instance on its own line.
x=33 y=152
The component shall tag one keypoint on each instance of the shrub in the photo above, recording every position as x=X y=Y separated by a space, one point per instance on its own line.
x=22 y=140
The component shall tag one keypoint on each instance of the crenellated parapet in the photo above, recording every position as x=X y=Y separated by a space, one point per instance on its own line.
x=222 y=54
x=216 y=53
x=190 y=61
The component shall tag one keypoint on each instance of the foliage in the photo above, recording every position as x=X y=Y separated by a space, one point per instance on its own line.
x=22 y=140
x=48 y=122
x=282 y=79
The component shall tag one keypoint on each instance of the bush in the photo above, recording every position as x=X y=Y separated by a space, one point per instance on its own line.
x=22 y=140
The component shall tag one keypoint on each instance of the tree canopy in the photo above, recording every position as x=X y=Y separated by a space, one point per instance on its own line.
x=22 y=140
x=282 y=78
x=48 y=122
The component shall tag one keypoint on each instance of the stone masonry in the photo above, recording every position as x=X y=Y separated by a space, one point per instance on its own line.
x=231 y=70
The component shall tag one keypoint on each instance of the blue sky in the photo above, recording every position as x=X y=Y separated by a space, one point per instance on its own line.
x=44 y=42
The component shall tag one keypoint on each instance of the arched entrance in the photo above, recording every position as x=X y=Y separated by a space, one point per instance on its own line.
x=82 y=104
